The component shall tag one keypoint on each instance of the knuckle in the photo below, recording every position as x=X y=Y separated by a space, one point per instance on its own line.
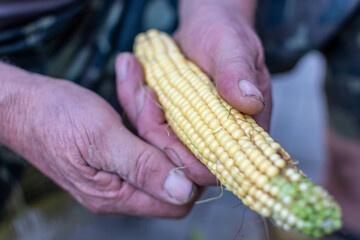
x=87 y=145
x=246 y=62
x=145 y=164
x=237 y=63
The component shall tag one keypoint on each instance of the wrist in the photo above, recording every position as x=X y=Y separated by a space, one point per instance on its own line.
x=245 y=8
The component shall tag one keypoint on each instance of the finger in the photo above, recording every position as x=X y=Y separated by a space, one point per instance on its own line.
x=130 y=84
x=151 y=123
x=140 y=102
x=142 y=204
x=143 y=166
x=235 y=73
x=263 y=118
x=113 y=195
x=145 y=113
x=153 y=128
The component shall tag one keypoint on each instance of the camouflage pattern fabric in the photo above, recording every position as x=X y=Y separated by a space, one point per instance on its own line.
x=343 y=80
x=290 y=28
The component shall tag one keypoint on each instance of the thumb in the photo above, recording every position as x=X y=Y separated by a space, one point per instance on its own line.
x=235 y=73
x=146 y=168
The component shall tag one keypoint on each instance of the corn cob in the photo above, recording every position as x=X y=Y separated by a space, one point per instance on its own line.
x=245 y=159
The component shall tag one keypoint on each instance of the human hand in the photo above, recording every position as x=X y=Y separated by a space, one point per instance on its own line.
x=219 y=37
x=77 y=139
x=145 y=114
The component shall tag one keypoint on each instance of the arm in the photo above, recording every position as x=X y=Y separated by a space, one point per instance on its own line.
x=77 y=139
x=245 y=8
x=16 y=89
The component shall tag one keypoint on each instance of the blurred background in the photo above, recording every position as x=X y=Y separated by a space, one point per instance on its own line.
x=298 y=124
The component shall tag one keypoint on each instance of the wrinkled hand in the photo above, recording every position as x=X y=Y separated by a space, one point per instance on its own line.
x=219 y=37
x=145 y=114
x=79 y=140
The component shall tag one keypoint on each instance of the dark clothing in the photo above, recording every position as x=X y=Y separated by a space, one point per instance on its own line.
x=17 y=12
x=289 y=29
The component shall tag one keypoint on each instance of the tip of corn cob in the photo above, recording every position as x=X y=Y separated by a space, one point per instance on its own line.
x=245 y=159
x=301 y=205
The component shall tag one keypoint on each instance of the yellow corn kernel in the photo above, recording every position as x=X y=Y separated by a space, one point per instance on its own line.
x=236 y=150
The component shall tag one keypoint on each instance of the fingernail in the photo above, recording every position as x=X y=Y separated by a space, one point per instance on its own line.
x=123 y=67
x=248 y=89
x=140 y=99
x=179 y=187
x=173 y=156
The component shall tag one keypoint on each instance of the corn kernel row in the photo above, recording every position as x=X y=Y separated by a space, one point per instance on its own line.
x=245 y=159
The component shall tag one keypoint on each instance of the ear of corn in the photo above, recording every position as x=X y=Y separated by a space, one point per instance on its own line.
x=245 y=159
